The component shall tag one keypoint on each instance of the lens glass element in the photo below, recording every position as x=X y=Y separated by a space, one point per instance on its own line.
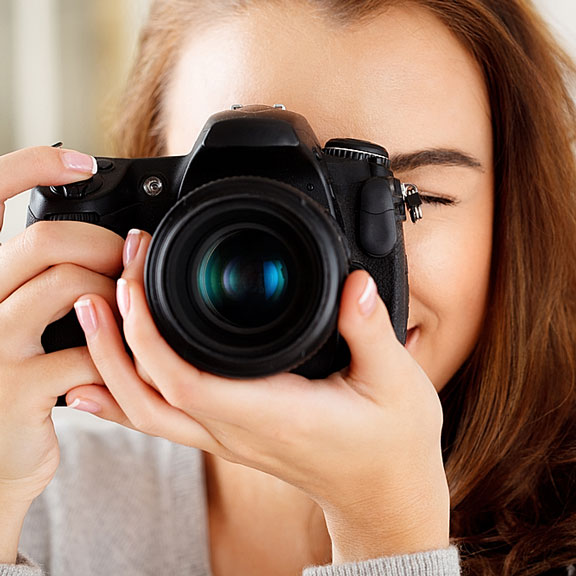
x=243 y=278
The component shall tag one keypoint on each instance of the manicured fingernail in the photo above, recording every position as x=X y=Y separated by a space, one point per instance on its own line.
x=79 y=162
x=123 y=296
x=368 y=299
x=85 y=405
x=87 y=316
x=131 y=246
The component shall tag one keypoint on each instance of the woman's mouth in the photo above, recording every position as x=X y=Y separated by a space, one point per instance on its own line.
x=412 y=337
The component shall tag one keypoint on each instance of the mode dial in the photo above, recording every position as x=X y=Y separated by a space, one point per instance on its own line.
x=357 y=150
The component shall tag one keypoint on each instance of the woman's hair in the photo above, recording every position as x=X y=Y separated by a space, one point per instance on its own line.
x=510 y=412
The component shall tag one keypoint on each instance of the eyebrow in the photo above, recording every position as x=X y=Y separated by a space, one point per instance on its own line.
x=434 y=157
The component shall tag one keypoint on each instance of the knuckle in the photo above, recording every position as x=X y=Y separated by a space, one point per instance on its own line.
x=66 y=275
x=144 y=421
x=45 y=162
x=38 y=237
x=37 y=159
x=76 y=357
x=143 y=414
x=182 y=390
x=177 y=394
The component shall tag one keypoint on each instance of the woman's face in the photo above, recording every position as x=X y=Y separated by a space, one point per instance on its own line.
x=400 y=80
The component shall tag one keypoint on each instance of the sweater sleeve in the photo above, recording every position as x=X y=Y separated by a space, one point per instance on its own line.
x=23 y=567
x=443 y=562
x=435 y=563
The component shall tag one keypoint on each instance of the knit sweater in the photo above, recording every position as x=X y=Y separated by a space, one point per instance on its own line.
x=128 y=504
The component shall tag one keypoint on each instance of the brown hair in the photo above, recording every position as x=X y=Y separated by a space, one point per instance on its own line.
x=510 y=412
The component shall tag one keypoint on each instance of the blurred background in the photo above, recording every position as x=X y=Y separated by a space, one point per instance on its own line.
x=63 y=64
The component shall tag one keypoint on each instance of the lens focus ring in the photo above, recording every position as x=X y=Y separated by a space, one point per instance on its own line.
x=243 y=277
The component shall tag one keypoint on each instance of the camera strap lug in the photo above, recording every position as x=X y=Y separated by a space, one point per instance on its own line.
x=412 y=200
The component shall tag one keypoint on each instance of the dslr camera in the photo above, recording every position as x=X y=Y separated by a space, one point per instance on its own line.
x=253 y=234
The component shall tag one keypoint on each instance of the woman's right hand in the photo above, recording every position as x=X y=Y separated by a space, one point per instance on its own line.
x=42 y=272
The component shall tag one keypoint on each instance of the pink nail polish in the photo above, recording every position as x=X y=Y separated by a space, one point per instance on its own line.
x=87 y=316
x=85 y=405
x=78 y=162
x=131 y=246
x=368 y=299
x=123 y=297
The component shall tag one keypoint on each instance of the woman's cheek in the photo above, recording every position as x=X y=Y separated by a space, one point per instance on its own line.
x=448 y=275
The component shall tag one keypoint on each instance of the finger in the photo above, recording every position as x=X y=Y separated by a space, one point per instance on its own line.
x=46 y=298
x=97 y=400
x=41 y=380
x=365 y=325
x=42 y=166
x=46 y=244
x=143 y=405
x=138 y=325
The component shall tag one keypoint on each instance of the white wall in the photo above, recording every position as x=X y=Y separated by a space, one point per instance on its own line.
x=561 y=14
x=48 y=61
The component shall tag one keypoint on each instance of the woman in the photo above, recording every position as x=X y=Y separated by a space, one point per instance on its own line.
x=471 y=101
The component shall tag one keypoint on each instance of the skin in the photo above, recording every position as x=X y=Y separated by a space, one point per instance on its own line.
x=44 y=270
x=314 y=465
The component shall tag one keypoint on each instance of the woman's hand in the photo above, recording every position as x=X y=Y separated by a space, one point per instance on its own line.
x=363 y=443
x=42 y=272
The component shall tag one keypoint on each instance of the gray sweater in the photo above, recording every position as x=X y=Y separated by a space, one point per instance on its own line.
x=123 y=503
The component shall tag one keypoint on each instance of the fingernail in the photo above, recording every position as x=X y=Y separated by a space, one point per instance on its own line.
x=123 y=296
x=79 y=162
x=368 y=299
x=85 y=405
x=131 y=246
x=87 y=316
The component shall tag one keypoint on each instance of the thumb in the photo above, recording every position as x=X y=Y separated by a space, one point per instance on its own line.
x=365 y=325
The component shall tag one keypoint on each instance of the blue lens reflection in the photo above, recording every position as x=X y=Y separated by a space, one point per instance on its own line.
x=244 y=278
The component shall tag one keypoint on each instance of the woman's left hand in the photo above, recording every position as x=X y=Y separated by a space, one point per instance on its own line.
x=363 y=443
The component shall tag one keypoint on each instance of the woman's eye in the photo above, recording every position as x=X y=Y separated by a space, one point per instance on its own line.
x=438 y=200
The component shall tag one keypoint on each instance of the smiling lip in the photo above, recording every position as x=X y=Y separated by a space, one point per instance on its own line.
x=412 y=337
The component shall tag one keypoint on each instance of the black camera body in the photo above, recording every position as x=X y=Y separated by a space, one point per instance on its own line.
x=254 y=232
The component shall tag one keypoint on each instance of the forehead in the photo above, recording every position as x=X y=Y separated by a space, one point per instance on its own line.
x=398 y=77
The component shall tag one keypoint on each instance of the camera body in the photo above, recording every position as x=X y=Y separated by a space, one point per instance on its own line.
x=254 y=232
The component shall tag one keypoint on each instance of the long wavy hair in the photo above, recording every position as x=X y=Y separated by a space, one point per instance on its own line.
x=510 y=411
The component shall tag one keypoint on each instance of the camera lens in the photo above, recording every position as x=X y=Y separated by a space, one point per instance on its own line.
x=243 y=277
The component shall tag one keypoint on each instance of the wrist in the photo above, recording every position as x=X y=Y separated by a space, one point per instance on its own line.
x=377 y=529
x=11 y=522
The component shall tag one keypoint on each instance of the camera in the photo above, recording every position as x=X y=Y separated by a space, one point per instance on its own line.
x=253 y=235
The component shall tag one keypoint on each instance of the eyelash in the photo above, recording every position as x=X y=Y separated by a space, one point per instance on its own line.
x=439 y=200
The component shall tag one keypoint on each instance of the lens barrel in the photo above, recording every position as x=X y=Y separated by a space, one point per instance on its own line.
x=243 y=277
